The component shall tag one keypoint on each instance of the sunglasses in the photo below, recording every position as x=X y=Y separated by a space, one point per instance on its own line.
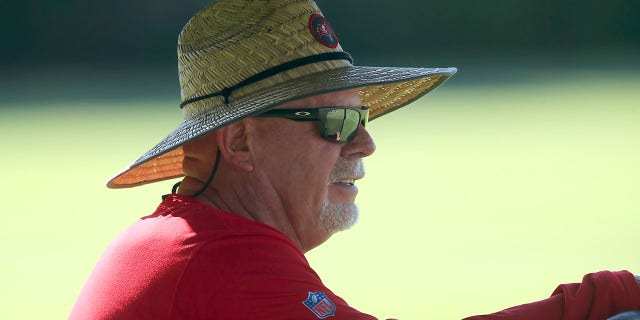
x=335 y=124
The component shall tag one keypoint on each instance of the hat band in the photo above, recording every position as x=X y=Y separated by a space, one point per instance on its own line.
x=226 y=92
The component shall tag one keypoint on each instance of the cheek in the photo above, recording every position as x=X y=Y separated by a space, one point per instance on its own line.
x=297 y=158
x=311 y=170
x=306 y=176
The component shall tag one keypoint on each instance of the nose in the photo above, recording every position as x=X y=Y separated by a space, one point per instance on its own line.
x=361 y=146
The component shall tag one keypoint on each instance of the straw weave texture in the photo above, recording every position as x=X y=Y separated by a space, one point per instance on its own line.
x=233 y=40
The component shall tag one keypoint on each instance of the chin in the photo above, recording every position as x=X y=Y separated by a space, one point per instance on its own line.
x=336 y=217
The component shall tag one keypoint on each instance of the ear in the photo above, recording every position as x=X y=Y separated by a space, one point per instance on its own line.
x=232 y=141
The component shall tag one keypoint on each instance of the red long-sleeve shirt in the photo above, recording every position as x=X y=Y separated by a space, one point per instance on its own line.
x=599 y=296
x=191 y=261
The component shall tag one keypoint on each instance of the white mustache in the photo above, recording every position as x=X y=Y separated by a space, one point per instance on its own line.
x=347 y=170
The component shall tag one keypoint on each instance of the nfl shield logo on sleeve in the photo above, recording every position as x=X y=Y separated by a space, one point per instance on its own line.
x=320 y=305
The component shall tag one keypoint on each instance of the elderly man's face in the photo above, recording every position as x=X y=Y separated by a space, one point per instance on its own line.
x=314 y=178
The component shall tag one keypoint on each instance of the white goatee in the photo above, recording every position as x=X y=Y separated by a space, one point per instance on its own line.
x=336 y=217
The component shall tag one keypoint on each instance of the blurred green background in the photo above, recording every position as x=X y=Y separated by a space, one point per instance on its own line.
x=520 y=173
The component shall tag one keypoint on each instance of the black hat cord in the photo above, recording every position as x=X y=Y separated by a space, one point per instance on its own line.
x=206 y=184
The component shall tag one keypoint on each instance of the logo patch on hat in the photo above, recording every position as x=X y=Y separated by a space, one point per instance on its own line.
x=322 y=31
x=320 y=305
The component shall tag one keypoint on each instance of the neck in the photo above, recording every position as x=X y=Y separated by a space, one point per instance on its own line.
x=245 y=202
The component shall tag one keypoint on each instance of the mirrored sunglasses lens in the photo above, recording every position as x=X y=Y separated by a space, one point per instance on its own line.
x=341 y=125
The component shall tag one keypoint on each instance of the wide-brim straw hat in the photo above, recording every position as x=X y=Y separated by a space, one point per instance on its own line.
x=239 y=58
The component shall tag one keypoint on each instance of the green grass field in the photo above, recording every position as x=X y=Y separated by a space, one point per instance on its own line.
x=479 y=197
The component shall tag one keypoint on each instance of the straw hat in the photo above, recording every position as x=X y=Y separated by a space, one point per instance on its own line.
x=238 y=58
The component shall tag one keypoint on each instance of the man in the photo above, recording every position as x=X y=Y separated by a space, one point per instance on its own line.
x=270 y=150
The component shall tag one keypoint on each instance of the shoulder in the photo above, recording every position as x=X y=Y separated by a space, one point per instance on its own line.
x=245 y=254
x=255 y=275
